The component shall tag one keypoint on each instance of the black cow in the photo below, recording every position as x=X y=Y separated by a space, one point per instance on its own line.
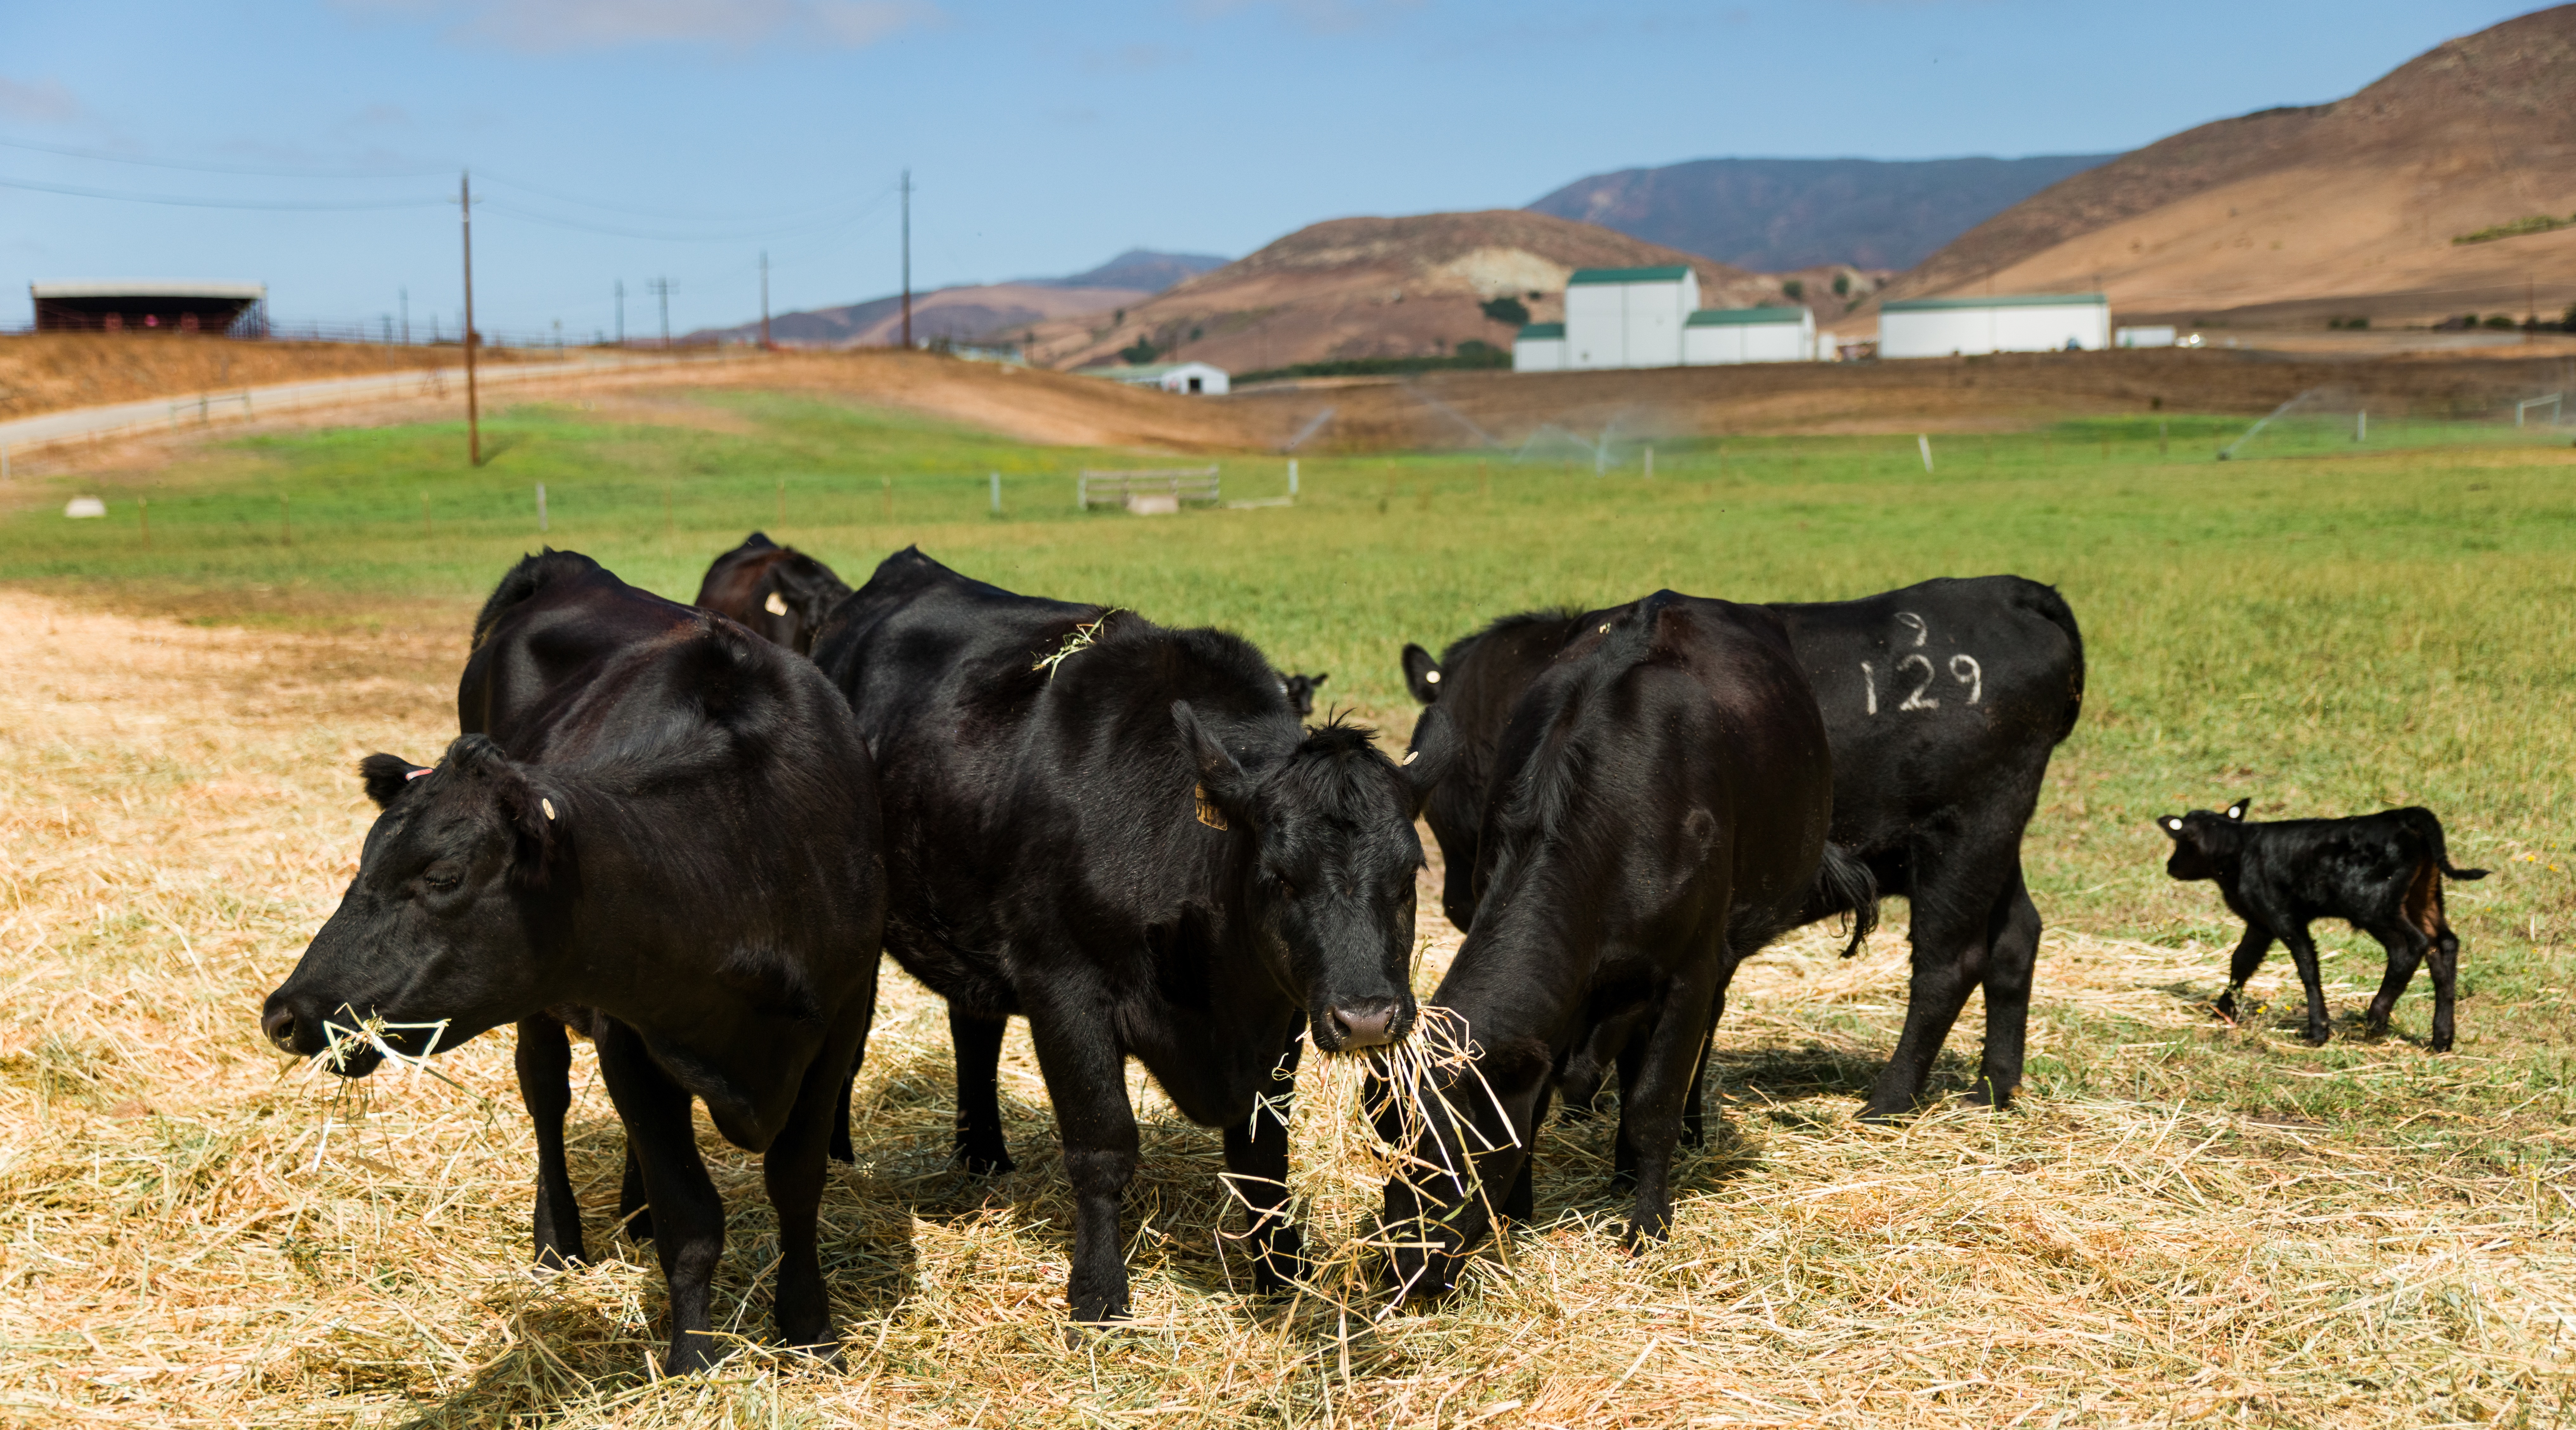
x=2382 y=873
x=1120 y=832
x=1660 y=796
x=1300 y=690
x=1943 y=701
x=778 y=591
x=683 y=837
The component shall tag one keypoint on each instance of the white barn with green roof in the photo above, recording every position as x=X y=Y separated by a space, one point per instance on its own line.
x=2023 y=323
x=1728 y=335
x=1628 y=317
x=1539 y=347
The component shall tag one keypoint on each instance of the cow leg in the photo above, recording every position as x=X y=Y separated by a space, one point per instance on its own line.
x=978 y=1041
x=2303 y=950
x=1085 y=1073
x=1949 y=961
x=544 y=1062
x=1256 y=1168
x=2445 y=961
x=844 y=1150
x=1694 y=1124
x=1520 y=1204
x=1651 y=1108
x=2249 y=957
x=2012 y=953
x=792 y=1170
x=634 y=1208
x=688 y=1214
x=1632 y=1060
x=2406 y=947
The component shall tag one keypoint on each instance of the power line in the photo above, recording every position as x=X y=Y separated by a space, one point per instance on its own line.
x=845 y=214
x=266 y=205
x=104 y=156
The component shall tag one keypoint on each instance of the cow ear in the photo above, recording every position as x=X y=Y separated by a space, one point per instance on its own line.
x=1430 y=755
x=540 y=826
x=1317 y=680
x=2237 y=810
x=2171 y=824
x=1421 y=673
x=1227 y=786
x=387 y=776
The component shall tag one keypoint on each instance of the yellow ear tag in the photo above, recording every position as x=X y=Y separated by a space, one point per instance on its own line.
x=1409 y=757
x=776 y=605
x=548 y=806
x=1209 y=814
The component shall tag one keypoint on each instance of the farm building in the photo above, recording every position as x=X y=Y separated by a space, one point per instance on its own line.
x=1728 y=335
x=1189 y=377
x=2161 y=336
x=2029 y=323
x=1539 y=347
x=143 y=305
x=1628 y=317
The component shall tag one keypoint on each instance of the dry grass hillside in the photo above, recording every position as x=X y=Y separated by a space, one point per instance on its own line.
x=47 y=372
x=1377 y=287
x=2299 y=214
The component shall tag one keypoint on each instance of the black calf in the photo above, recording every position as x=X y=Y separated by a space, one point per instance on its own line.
x=2381 y=873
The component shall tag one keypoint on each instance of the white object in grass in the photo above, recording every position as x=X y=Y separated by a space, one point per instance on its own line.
x=79 y=507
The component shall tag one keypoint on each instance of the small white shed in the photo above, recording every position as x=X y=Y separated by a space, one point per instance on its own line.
x=2027 y=323
x=1539 y=347
x=1628 y=317
x=1186 y=377
x=2158 y=336
x=1727 y=335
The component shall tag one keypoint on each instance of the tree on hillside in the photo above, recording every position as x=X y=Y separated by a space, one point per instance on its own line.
x=1139 y=352
x=1796 y=289
x=1507 y=310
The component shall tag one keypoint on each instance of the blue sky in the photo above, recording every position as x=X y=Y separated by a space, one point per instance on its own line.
x=632 y=139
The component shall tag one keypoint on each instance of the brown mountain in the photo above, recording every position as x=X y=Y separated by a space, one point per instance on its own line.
x=2343 y=209
x=1376 y=287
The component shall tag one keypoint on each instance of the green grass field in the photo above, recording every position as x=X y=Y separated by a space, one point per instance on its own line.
x=2328 y=630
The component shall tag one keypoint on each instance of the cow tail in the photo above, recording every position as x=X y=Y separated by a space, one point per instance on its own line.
x=2442 y=853
x=1845 y=885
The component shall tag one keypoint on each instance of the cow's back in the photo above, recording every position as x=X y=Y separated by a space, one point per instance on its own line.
x=1940 y=695
x=554 y=618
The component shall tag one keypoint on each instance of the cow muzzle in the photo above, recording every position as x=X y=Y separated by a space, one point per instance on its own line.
x=1351 y=1025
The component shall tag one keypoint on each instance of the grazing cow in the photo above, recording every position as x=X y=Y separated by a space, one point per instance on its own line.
x=679 y=849
x=1121 y=832
x=1660 y=797
x=778 y=591
x=1300 y=690
x=2382 y=873
x=1943 y=701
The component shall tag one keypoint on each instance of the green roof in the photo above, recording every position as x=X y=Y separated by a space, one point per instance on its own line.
x=1730 y=317
x=1673 y=273
x=2016 y=300
x=1540 y=330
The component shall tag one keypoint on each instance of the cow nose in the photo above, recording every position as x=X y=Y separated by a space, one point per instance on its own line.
x=1364 y=1025
x=279 y=1025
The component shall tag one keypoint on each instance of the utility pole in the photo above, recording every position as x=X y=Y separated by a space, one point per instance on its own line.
x=621 y=312
x=907 y=258
x=662 y=289
x=764 y=300
x=473 y=408
x=406 y=312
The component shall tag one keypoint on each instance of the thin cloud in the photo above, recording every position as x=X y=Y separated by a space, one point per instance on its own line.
x=554 y=26
x=1320 y=16
x=45 y=101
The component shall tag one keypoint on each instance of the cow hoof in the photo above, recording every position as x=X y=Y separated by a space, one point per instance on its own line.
x=2315 y=1037
x=987 y=1160
x=1985 y=1095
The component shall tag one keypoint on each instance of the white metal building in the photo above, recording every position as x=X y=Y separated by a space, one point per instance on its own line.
x=1726 y=335
x=1186 y=377
x=1539 y=347
x=1628 y=317
x=2161 y=336
x=2029 y=323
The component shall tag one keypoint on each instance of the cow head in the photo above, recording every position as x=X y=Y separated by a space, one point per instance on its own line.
x=1331 y=856
x=446 y=920
x=798 y=593
x=1300 y=690
x=2202 y=840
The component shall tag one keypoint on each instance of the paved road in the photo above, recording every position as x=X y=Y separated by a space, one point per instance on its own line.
x=173 y=413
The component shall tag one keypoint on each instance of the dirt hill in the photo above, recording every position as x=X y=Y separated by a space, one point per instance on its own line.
x=47 y=372
x=1772 y=214
x=977 y=310
x=2291 y=216
x=1377 y=287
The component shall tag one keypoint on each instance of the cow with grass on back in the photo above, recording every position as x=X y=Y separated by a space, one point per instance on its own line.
x=2382 y=873
x=679 y=850
x=1120 y=832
